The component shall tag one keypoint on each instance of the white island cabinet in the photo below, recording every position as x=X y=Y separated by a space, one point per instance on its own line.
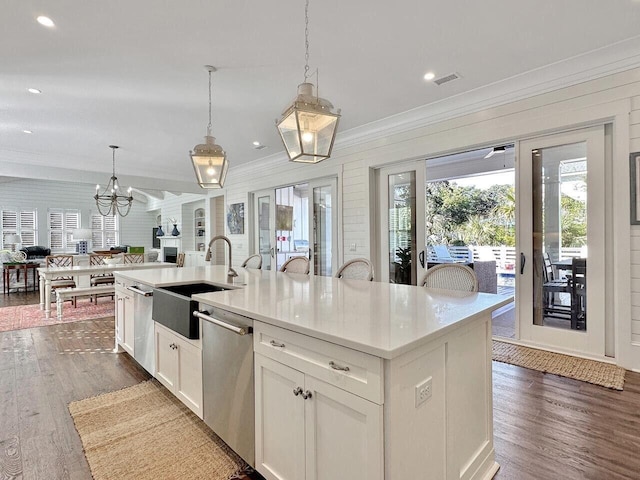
x=306 y=428
x=359 y=379
x=179 y=366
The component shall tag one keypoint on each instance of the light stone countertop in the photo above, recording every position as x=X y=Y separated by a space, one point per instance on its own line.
x=382 y=319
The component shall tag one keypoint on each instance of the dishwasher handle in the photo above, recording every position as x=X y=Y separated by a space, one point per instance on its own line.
x=235 y=329
x=144 y=293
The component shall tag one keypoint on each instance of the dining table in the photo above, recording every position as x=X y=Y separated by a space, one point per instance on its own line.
x=46 y=274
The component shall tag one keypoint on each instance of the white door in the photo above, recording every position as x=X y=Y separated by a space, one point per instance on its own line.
x=561 y=213
x=166 y=364
x=189 y=375
x=400 y=216
x=279 y=424
x=323 y=231
x=264 y=206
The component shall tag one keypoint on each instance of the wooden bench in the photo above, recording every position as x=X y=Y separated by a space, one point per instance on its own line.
x=63 y=294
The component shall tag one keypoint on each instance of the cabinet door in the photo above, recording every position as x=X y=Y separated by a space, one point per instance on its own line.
x=279 y=421
x=128 y=325
x=189 y=378
x=166 y=358
x=119 y=317
x=344 y=437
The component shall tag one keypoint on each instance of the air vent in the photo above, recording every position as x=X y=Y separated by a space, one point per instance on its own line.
x=260 y=147
x=448 y=78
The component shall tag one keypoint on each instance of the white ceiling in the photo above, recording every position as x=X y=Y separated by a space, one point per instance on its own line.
x=131 y=72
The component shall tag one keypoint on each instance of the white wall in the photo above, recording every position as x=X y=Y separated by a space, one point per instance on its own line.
x=612 y=99
x=135 y=228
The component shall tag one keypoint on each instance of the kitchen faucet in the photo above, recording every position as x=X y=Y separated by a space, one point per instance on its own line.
x=231 y=273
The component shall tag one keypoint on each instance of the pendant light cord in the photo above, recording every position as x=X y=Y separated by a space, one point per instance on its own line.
x=306 y=41
x=209 y=125
x=113 y=161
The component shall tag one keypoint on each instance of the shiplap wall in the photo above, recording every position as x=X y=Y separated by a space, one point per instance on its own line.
x=354 y=161
x=135 y=228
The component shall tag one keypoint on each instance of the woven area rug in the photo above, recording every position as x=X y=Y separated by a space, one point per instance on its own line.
x=144 y=432
x=29 y=316
x=591 y=371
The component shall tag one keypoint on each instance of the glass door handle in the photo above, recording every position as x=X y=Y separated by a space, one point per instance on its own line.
x=523 y=260
x=272 y=252
x=421 y=258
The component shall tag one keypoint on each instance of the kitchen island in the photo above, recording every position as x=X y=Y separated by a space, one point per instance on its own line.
x=360 y=379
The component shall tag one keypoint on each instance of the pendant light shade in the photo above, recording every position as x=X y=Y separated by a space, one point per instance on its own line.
x=210 y=163
x=308 y=127
x=209 y=159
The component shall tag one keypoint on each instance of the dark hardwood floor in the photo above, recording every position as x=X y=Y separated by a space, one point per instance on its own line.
x=546 y=427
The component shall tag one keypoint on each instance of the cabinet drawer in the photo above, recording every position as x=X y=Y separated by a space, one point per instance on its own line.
x=353 y=371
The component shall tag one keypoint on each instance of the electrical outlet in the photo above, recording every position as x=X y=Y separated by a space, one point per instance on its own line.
x=352 y=247
x=423 y=392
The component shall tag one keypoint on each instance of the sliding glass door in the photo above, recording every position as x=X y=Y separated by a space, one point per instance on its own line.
x=561 y=240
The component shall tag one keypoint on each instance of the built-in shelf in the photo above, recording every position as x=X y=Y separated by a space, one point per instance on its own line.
x=199 y=228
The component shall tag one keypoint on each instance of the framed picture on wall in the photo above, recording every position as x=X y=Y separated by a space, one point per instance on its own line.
x=235 y=218
x=634 y=170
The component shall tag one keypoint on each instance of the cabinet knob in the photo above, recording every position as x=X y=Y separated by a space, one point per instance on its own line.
x=335 y=366
x=276 y=344
x=297 y=391
x=306 y=394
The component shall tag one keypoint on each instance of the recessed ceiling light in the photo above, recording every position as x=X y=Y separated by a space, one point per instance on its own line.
x=429 y=76
x=34 y=90
x=256 y=143
x=46 y=21
x=27 y=131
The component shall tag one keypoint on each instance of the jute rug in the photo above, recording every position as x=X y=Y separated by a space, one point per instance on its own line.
x=29 y=316
x=144 y=432
x=591 y=371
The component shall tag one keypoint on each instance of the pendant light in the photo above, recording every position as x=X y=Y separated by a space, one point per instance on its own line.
x=110 y=202
x=209 y=160
x=308 y=126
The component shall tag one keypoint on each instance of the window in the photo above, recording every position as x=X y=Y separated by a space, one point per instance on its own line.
x=21 y=222
x=104 y=231
x=62 y=223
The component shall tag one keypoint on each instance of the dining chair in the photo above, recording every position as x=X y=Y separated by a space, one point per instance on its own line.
x=133 y=257
x=451 y=277
x=53 y=261
x=356 y=269
x=96 y=259
x=254 y=261
x=296 y=265
x=180 y=260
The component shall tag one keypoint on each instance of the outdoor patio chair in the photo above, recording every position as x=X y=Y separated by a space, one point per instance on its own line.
x=296 y=265
x=551 y=286
x=578 y=286
x=356 y=269
x=451 y=277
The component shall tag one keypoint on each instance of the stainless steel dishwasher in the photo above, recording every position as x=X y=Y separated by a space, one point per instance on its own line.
x=143 y=340
x=227 y=378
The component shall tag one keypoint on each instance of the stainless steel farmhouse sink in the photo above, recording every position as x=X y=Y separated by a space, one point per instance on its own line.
x=173 y=307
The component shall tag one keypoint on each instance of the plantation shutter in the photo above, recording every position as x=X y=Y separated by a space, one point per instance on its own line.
x=110 y=231
x=9 y=225
x=71 y=223
x=96 y=232
x=28 y=228
x=56 y=222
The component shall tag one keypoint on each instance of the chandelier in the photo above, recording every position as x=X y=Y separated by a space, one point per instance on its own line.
x=110 y=202
x=209 y=160
x=308 y=126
